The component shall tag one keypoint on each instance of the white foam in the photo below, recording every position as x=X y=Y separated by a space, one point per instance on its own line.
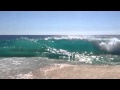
x=28 y=39
x=58 y=51
x=70 y=37
x=73 y=56
x=110 y=45
x=25 y=76
x=16 y=62
x=53 y=67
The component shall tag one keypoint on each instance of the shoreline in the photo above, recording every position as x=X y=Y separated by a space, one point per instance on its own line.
x=66 y=71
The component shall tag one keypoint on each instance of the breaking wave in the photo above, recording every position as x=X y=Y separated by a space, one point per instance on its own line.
x=60 y=47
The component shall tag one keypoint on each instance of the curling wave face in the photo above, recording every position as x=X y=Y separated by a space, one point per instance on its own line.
x=73 y=48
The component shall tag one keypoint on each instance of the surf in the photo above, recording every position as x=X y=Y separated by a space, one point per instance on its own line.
x=55 y=47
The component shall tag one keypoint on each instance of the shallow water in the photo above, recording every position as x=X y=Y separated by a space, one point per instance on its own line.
x=21 y=55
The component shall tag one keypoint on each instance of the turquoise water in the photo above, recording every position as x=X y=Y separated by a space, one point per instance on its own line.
x=21 y=55
x=92 y=49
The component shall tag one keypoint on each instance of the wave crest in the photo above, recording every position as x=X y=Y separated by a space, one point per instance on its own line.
x=112 y=45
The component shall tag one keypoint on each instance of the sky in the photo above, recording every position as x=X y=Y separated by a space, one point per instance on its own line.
x=59 y=22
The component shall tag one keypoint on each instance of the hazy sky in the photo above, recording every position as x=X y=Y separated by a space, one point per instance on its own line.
x=59 y=22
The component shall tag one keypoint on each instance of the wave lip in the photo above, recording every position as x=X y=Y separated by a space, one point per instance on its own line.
x=112 y=45
x=72 y=48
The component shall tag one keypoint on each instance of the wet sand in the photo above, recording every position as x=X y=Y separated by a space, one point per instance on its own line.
x=65 y=71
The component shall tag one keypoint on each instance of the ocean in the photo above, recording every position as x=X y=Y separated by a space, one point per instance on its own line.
x=22 y=54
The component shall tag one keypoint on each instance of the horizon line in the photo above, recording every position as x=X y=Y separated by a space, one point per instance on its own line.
x=56 y=34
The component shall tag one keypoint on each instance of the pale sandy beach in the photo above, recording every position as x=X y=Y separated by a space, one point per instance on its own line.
x=65 y=71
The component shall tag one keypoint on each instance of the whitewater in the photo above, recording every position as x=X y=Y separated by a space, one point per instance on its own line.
x=22 y=54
